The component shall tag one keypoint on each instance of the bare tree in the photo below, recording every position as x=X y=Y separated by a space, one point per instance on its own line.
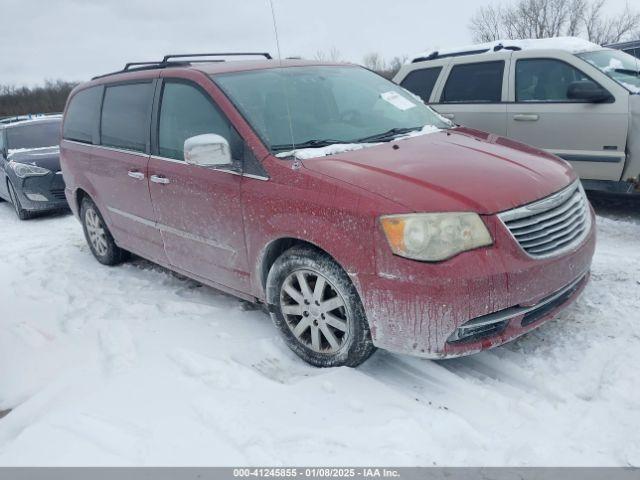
x=552 y=18
x=374 y=61
x=486 y=24
x=603 y=30
x=396 y=63
x=576 y=15
x=333 y=55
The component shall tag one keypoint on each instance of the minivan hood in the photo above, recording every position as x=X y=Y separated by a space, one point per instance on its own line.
x=455 y=170
x=48 y=157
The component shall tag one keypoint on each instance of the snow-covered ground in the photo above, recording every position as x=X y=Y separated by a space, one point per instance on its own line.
x=134 y=366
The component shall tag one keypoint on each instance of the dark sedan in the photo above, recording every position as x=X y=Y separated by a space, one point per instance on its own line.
x=30 y=176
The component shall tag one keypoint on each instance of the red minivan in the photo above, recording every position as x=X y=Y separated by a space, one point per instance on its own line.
x=357 y=215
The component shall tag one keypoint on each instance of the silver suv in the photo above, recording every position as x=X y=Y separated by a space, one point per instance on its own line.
x=573 y=98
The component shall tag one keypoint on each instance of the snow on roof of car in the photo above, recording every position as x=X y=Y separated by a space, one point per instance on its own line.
x=569 y=44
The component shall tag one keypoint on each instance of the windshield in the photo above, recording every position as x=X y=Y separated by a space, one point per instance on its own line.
x=327 y=105
x=34 y=135
x=620 y=66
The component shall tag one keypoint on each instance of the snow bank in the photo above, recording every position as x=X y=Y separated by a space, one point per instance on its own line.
x=570 y=44
x=135 y=366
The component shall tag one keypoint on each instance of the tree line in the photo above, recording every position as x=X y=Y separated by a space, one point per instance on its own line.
x=48 y=98
x=521 y=19
x=554 y=18
x=515 y=20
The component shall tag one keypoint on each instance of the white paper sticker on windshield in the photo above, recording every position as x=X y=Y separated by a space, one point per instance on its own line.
x=397 y=100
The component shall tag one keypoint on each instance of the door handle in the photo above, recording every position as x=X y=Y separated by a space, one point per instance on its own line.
x=135 y=174
x=450 y=116
x=526 y=117
x=159 y=179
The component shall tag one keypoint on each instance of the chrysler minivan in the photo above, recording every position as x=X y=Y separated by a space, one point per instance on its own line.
x=570 y=97
x=355 y=214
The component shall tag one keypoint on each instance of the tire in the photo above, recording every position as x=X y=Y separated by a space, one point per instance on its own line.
x=98 y=236
x=15 y=201
x=317 y=309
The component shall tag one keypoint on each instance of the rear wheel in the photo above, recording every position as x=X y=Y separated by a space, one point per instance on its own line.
x=20 y=212
x=98 y=236
x=318 y=310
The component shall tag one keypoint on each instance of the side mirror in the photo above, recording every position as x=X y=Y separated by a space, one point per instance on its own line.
x=207 y=150
x=588 y=91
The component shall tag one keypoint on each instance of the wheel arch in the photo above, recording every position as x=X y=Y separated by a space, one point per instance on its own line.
x=79 y=195
x=274 y=249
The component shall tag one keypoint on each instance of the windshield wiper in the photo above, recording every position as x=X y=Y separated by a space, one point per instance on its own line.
x=387 y=136
x=307 y=144
x=627 y=71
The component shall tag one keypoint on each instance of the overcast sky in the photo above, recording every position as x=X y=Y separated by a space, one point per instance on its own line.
x=76 y=39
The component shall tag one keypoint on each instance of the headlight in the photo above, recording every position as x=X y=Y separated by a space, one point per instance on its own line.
x=24 y=170
x=433 y=237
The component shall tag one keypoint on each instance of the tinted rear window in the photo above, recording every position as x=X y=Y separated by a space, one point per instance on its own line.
x=81 y=116
x=474 y=82
x=35 y=135
x=125 y=116
x=421 y=82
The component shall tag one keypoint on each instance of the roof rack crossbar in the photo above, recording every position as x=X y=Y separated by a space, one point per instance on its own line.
x=168 y=62
x=230 y=54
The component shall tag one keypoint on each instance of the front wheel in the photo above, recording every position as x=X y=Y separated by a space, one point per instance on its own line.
x=98 y=236
x=318 y=310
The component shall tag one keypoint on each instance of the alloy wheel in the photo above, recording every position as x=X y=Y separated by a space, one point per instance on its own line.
x=96 y=232
x=315 y=311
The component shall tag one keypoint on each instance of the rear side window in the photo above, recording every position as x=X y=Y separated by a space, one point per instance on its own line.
x=185 y=112
x=421 y=82
x=125 y=116
x=34 y=135
x=82 y=114
x=474 y=83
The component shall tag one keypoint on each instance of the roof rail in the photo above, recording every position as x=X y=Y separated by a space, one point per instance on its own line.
x=513 y=48
x=168 y=62
x=436 y=56
x=234 y=54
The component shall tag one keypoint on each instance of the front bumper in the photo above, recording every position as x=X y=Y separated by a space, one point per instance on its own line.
x=41 y=193
x=418 y=308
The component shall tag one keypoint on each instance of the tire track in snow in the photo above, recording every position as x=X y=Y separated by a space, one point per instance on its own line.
x=548 y=397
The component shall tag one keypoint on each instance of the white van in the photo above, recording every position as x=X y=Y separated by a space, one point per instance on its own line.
x=573 y=98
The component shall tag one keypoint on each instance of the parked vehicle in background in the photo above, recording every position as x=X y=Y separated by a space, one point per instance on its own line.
x=632 y=48
x=30 y=176
x=20 y=118
x=572 y=98
x=359 y=216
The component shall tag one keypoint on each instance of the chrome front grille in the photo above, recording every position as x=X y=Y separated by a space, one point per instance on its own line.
x=552 y=225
